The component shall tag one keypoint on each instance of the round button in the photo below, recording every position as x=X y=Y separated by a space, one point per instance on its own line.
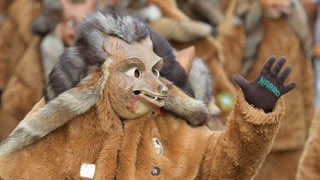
x=155 y=171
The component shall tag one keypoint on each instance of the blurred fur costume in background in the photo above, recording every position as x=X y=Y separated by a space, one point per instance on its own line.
x=281 y=28
x=20 y=64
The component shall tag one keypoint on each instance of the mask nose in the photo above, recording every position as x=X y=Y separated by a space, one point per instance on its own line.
x=162 y=89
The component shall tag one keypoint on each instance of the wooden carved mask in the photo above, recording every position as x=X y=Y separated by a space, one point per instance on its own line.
x=134 y=87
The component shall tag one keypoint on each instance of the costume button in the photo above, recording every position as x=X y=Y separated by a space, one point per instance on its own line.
x=157 y=146
x=155 y=171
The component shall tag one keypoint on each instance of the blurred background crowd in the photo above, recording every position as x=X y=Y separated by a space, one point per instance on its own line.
x=228 y=36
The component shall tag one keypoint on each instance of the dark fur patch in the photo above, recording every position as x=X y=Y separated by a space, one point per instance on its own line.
x=171 y=70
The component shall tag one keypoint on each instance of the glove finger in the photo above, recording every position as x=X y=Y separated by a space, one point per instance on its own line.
x=284 y=74
x=268 y=64
x=277 y=67
x=289 y=87
x=243 y=83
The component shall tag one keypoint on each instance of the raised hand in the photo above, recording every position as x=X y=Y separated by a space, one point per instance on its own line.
x=264 y=91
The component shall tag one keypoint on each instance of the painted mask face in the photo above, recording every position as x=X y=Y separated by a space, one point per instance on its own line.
x=134 y=87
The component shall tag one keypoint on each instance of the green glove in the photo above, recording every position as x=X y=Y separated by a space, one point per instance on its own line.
x=264 y=91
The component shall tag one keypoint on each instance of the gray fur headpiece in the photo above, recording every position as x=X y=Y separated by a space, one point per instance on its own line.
x=78 y=61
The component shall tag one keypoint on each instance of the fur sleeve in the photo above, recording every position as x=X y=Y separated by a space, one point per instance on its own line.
x=239 y=151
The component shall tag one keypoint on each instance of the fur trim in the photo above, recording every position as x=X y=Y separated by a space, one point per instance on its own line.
x=57 y=112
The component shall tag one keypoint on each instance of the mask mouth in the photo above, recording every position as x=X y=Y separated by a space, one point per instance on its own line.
x=157 y=99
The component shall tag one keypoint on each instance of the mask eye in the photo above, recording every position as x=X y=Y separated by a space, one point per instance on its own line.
x=134 y=72
x=156 y=73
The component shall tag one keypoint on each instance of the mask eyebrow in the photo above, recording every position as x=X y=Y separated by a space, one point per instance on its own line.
x=131 y=62
x=157 y=63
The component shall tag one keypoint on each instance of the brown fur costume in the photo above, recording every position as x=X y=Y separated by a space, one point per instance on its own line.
x=273 y=30
x=280 y=39
x=301 y=99
x=15 y=36
x=309 y=163
x=101 y=139
x=103 y=121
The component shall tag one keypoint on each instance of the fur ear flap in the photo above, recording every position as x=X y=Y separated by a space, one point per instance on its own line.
x=185 y=57
x=195 y=112
x=45 y=118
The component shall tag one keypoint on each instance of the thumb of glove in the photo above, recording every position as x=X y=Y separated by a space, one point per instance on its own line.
x=241 y=81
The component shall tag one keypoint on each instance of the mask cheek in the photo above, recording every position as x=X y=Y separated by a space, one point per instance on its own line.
x=125 y=84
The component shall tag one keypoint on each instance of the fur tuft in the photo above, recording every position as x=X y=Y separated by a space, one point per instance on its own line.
x=195 y=112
